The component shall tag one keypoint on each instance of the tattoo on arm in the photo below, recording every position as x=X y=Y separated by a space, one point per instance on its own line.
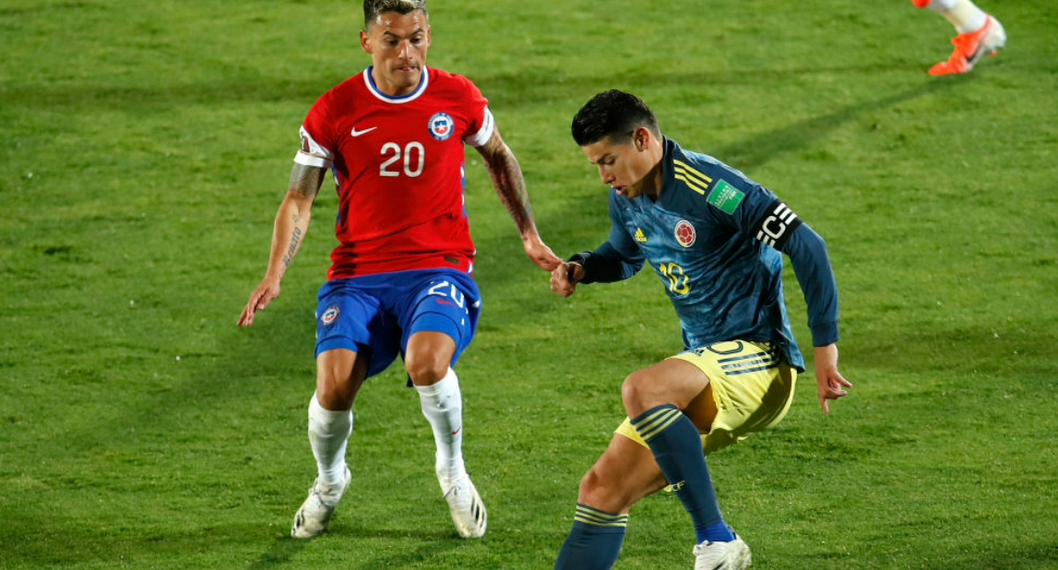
x=306 y=180
x=295 y=241
x=507 y=177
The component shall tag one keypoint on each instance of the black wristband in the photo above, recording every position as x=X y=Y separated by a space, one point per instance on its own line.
x=580 y=259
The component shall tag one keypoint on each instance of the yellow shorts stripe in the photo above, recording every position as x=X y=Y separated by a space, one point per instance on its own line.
x=752 y=388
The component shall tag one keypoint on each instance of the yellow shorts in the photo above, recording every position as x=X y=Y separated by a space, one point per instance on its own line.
x=752 y=391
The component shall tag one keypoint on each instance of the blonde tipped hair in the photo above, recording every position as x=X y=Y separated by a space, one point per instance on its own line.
x=372 y=8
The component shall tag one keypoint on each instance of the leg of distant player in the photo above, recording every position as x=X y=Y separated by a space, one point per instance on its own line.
x=979 y=34
x=339 y=376
x=428 y=362
x=963 y=14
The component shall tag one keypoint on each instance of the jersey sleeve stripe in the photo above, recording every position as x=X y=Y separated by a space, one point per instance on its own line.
x=692 y=184
x=488 y=126
x=688 y=170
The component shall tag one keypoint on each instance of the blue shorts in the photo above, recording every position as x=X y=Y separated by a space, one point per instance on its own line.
x=375 y=315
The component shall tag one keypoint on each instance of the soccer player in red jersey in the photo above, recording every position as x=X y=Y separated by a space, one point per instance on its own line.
x=400 y=281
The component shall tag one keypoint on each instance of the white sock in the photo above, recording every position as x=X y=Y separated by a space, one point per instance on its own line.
x=442 y=404
x=329 y=436
x=963 y=14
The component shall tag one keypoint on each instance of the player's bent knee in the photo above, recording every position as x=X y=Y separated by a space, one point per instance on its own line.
x=338 y=377
x=333 y=395
x=427 y=370
x=639 y=392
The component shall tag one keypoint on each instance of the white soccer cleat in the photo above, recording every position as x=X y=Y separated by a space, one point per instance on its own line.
x=316 y=512
x=468 y=511
x=732 y=555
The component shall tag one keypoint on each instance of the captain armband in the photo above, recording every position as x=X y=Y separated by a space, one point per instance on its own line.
x=777 y=225
x=312 y=153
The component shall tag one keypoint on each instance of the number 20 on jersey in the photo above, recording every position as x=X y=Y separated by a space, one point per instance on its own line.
x=409 y=160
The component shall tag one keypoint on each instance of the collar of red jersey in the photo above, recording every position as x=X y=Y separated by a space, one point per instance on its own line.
x=369 y=81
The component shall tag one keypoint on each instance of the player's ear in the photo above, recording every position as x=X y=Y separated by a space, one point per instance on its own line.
x=641 y=138
x=364 y=43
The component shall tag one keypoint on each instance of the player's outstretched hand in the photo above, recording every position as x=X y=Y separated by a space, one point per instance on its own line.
x=540 y=253
x=564 y=278
x=832 y=385
x=263 y=296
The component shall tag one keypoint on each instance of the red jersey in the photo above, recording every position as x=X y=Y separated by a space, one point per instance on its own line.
x=398 y=166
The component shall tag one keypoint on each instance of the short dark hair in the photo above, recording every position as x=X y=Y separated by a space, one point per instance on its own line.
x=372 y=8
x=613 y=114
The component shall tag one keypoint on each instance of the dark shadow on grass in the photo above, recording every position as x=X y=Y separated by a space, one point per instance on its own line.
x=762 y=148
x=164 y=97
x=283 y=550
x=526 y=87
x=395 y=533
x=423 y=552
x=548 y=85
x=1039 y=555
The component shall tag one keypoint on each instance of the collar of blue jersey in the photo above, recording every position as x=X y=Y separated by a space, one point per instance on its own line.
x=423 y=83
x=667 y=177
x=670 y=148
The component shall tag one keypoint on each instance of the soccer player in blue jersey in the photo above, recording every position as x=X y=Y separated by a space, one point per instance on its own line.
x=715 y=238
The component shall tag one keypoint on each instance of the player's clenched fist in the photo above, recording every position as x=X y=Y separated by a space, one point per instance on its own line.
x=565 y=277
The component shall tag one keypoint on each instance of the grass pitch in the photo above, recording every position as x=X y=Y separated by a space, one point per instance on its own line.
x=144 y=147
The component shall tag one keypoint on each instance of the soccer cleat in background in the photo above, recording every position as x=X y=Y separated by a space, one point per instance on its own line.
x=468 y=511
x=732 y=555
x=971 y=47
x=316 y=512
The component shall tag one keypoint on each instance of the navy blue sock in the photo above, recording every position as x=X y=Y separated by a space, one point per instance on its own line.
x=595 y=541
x=677 y=447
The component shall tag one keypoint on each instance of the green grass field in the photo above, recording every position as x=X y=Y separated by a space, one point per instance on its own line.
x=144 y=147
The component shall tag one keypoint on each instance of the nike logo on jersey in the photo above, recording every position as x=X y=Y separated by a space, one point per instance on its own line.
x=357 y=133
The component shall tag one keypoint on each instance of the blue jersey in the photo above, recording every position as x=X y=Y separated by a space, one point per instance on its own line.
x=714 y=239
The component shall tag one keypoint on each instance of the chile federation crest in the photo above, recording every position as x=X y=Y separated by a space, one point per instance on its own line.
x=442 y=126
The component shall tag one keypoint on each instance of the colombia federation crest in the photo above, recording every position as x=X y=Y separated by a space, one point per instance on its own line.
x=685 y=234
